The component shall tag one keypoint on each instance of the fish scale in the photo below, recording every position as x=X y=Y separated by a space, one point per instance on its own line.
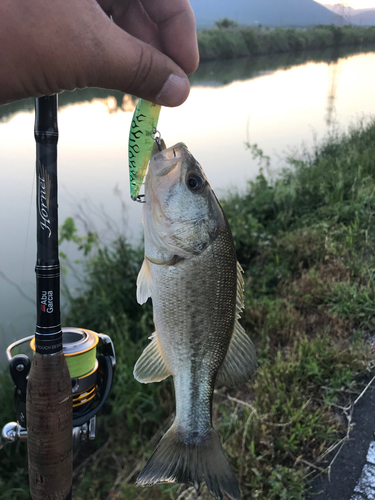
x=202 y=330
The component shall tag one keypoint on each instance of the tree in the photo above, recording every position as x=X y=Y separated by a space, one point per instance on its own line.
x=225 y=23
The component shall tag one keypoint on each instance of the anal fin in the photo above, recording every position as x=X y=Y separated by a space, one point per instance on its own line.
x=240 y=362
x=151 y=366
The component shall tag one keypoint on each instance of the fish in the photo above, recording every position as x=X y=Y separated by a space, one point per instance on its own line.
x=190 y=271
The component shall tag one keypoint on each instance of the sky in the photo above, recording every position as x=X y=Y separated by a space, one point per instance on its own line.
x=356 y=4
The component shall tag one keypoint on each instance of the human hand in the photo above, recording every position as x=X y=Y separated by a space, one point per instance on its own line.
x=47 y=46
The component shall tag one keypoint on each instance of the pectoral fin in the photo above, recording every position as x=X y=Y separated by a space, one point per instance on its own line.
x=151 y=366
x=144 y=282
x=240 y=362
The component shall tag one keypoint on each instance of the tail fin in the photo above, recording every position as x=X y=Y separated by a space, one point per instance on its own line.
x=173 y=461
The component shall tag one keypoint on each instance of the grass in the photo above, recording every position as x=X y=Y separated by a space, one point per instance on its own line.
x=13 y=462
x=243 y=41
x=305 y=239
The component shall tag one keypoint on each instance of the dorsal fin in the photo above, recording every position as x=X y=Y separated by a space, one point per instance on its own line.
x=240 y=362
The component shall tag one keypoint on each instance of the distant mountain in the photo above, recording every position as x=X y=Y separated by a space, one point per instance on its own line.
x=338 y=8
x=265 y=12
x=366 y=18
x=362 y=17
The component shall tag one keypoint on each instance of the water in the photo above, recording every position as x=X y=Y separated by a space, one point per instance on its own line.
x=279 y=103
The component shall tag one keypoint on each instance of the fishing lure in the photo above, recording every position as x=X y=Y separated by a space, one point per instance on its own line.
x=141 y=141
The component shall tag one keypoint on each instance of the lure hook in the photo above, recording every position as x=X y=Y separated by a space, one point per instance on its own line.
x=156 y=136
x=139 y=198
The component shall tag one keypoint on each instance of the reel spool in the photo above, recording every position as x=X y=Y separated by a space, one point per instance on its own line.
x=91 y=361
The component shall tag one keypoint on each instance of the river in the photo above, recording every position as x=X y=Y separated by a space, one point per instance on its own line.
x=284 y=104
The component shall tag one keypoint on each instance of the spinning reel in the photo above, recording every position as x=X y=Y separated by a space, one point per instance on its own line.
x=91 y=361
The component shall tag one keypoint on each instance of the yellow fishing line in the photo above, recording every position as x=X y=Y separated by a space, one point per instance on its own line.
x=81 y=364
x=88 y=396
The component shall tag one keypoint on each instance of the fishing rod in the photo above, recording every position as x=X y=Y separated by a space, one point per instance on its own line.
x=49 y=407
x=57 y=394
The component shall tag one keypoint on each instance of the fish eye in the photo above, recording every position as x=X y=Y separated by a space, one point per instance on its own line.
x=194 y=182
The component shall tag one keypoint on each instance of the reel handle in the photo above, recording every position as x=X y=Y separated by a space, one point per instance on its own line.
x=11 y=432
x=19 y=368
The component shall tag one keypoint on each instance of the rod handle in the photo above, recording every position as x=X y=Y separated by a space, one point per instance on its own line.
x=49 y=410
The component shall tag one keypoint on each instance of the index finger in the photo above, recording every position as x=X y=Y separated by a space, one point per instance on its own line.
x=176 y=30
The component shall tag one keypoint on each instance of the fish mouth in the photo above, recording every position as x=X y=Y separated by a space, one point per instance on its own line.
x=165 y=161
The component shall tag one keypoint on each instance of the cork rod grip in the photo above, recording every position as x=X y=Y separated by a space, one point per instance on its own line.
x=49 y=410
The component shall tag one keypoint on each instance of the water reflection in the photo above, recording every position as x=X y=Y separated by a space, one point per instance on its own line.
x=215 y=74
x=218 y=73
x=113 y=105
x=114 y=101
x=334 y=72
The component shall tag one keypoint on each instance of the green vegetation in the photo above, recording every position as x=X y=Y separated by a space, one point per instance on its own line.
x=306 y=241
x=13 y=463
x=228 y=41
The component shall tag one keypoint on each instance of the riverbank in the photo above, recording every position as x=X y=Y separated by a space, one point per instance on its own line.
x=306 y=241
x=233 y=42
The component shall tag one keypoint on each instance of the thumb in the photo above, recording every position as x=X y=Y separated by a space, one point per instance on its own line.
x=121 y=62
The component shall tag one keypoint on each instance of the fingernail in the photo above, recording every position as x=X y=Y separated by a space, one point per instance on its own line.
x=174 y=91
